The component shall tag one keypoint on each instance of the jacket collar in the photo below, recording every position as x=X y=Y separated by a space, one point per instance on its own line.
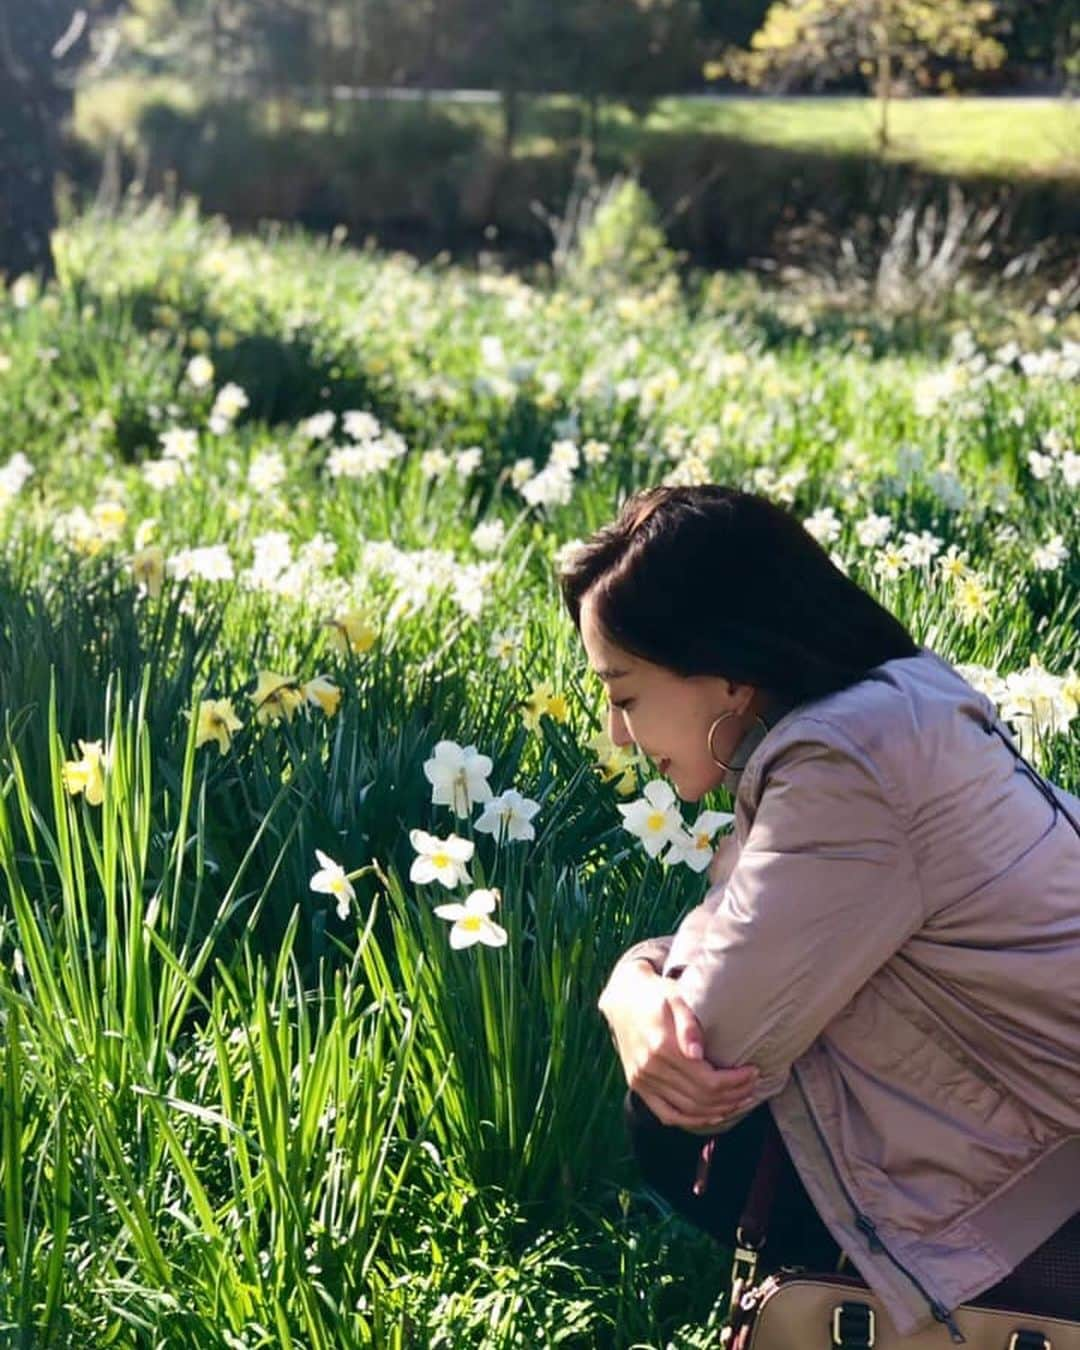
x=771 y=714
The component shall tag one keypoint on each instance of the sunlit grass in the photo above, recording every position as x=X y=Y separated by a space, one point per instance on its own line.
x=966 y=135
x=238 y=1111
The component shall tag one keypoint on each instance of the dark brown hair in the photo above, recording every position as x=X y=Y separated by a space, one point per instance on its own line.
x=709 y=580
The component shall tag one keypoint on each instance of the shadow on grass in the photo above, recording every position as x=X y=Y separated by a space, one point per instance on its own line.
x=430 y=179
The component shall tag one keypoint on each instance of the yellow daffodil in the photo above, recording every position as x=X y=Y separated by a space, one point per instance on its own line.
x=144 y=532
x=350 y=632
x=148 y=569
x=86 y=775
x=322 y=693
x=276 y=696
x=557 y=708
x=616 y=764
x=543 y=700
x=217 y=722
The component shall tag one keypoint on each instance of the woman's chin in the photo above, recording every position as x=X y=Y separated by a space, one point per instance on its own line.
x=689 y=793
x=693 y=790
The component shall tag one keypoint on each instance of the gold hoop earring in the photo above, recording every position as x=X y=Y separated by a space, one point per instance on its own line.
x=729 y=768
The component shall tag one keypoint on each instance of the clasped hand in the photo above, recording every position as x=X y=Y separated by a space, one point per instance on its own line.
x=662 y=1049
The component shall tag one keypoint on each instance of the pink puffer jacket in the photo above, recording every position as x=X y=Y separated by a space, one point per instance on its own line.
x=897 y=947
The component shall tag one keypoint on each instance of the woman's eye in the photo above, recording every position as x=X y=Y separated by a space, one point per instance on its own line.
x=624 y=705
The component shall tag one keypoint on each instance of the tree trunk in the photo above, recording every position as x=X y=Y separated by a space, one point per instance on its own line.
x=511 y=103
x=33 y=108
x=41 y=44
x=883 y=90
x=592 y=123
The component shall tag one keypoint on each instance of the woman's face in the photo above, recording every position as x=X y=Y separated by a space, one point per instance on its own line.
x=668 y=715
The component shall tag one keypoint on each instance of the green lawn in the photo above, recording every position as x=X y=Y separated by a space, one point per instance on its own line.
x=961 y=135
x=1022 y=137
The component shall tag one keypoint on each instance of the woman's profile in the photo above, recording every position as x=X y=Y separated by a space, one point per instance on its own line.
x=888 y=959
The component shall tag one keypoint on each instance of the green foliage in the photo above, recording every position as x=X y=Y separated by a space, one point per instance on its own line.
x=620 y=243
x=229 y=1116
x=885 y=41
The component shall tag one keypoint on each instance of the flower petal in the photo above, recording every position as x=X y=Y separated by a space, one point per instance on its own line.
x=481 y=902
x=452 y=912
x=491 y=935
x=660 y=792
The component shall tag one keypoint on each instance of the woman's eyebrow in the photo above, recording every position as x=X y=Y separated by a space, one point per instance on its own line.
x=612 y=674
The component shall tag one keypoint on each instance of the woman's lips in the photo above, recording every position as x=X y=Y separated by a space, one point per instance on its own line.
x=663 y=766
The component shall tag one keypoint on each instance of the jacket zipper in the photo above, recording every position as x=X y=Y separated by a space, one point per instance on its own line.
x=865 y=1224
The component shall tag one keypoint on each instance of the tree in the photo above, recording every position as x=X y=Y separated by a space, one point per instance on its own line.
x=1047 y=34
x=732 y=21
x=629 y=50
x=883 y=40
x=42 y=44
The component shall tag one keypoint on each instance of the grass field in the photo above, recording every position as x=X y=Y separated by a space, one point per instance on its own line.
x=1011 y=137
x=1036 y=137
x=276 y=519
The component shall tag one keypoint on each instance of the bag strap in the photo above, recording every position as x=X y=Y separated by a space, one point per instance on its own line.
x=994 y=728
x=757 y=1208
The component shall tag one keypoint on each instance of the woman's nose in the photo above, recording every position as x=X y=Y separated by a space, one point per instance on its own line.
x=617 y=728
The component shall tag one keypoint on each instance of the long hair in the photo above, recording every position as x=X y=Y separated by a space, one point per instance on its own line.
x=709 y=580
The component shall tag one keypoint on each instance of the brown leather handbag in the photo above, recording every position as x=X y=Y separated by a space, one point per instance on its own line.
x=795 y=1309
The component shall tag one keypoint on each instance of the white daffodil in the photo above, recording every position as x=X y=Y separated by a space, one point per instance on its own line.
x=654 y=818
x=693 y=846
x=1038 y=705
x=472 y=922
x=330 y=879
x=458 y=776
x=508 y=816
x=440 y=859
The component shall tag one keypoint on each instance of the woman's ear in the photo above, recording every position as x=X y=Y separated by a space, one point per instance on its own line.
x=743 y=694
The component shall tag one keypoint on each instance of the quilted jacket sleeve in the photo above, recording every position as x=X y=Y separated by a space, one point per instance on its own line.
x=823 y=893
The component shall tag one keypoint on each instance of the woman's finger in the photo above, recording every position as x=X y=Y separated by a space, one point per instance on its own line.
x=712 y=1088
x=688 y=1033
x=678 y=1114
x=676 y=1092
x=691 y=1096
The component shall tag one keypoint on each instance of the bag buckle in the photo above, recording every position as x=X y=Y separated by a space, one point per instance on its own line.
x=860 y=1328
x=743 y=1272
x=1029 y=1340
x=743 y=1269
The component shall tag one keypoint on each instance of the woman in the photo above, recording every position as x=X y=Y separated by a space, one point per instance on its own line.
x=890 y=956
